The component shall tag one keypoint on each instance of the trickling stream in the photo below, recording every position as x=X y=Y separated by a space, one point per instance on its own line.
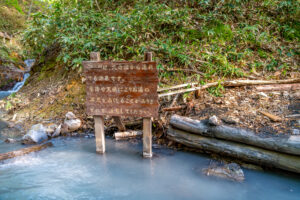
x=29 y=63
x=72 y=170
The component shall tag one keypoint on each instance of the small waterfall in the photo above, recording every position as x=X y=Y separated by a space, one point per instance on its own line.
x=29 y=63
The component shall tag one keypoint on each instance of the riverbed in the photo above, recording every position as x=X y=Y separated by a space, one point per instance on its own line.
x=72 y=170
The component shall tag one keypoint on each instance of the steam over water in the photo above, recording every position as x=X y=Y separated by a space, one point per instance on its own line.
x=72 y=170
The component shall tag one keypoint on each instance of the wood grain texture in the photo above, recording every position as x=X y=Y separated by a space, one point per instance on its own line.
x=237 y=150
x=114 y=86
x=284 y=144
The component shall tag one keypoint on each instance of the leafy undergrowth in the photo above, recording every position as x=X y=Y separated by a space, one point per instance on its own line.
x=218 y=39
x=13 y=14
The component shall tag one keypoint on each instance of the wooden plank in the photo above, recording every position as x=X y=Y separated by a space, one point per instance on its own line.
x=122 y=88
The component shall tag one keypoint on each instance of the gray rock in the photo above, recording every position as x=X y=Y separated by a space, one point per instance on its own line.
x=230 y=171
x=70 y=115
x=36 y=134
x=57 y=131
x=295 y=131
x=296 y=95
x=51 y=129
x=10 y=140
x=71 y=125
x=214 y=121
x=230 y=120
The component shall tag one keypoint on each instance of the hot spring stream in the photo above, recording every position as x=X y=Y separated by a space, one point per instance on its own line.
x=72 y=170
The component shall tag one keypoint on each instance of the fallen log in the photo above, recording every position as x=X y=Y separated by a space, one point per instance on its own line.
x=21 y=152
x=244 y=152
x=234 y=83
x=284 y=144
x=127 y=134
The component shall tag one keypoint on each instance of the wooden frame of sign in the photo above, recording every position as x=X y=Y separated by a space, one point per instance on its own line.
x=121 y=88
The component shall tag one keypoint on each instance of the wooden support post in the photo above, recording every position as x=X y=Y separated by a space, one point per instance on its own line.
x=147 y=137
x=147 y=125
x=99 y=134
x=99 y=120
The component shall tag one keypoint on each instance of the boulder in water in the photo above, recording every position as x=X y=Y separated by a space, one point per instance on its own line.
x=36 y=134
x=230 y=171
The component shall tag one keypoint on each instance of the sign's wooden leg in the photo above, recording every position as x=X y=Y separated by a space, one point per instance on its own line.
x=119 y=123
x=99 y=134
x=147 y=137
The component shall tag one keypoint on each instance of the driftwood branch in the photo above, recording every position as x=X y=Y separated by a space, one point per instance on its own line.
x=241 y=151
x=284 y=144
x=234 y=83
x=21 y=152
x=278 y=87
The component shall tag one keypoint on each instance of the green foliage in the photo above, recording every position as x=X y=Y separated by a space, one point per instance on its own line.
x=216 y=91
x=218 y=38
x=15 y=4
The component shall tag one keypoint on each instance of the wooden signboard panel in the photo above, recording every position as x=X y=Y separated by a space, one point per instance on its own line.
x=121 y=88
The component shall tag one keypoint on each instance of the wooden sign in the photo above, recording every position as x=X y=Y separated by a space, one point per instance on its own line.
x=121 y=88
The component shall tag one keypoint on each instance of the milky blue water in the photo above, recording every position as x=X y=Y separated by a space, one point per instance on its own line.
x=72 y=170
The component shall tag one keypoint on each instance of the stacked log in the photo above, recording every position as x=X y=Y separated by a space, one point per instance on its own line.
x=279 y=152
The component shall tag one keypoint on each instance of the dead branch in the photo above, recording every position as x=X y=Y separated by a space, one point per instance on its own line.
x=234 y=83
x=274 y=118
x=176 y=86
x=175 y=108
x=278 y=87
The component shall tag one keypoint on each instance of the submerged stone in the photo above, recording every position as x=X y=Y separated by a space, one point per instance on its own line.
x=230 y=171
x=36 y=134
